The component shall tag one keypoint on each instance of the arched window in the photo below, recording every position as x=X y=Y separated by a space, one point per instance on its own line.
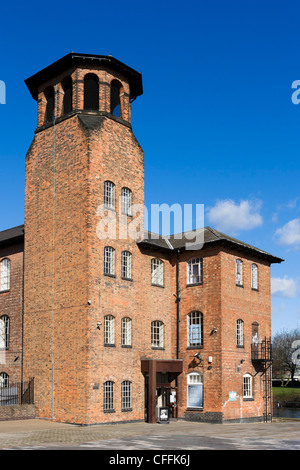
x=50 y=99
x=68 y=95
x=126 y=395
x=157 y=272
x=109 y=195
x=247 y=386
x=126 y=201
x=5 y=274
x=239 y=333
x=91 y=92
x=109 y=260
x=126 y=331
x=195 y=390
x=126 y=265
x=115 y=103
x=4 y=332
x=195 y=327
x=194 y=271
x=4 y=380
x=254 y=277
x=157 y=334
x=109 y=329
x=108 y=403
x=239 y=272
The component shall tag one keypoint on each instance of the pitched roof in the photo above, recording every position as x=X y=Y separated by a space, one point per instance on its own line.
x=197 y=239
x=12 y=235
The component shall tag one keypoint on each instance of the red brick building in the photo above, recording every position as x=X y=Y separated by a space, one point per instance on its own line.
x=113 y=323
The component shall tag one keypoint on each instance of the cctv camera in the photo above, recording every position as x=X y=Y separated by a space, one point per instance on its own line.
x=89 y=302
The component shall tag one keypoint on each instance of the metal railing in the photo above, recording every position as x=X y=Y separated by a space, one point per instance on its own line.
x=20 y=393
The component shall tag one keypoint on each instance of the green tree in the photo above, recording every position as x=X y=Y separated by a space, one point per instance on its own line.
x=284 y=366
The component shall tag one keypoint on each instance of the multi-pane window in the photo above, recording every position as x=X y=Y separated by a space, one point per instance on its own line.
x=254 y=281
x=109 y=329
x=126 y=201
x=108 y=396
x=4 y=332
x=195 y=329
x=109 y=195
x=239 y=272
x=195 y=390
x=126 y=395
x=126 y=265
x=157 y=334
x=5 y=274
x=247 y=386
x=194 y=271
x=157 y=272
x=126 y=331
x=4 y=380
x=109 y=260
x=239 y=332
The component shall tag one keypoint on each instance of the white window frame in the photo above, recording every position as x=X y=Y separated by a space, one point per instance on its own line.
x=109 y=260
x=195 y=271
x=126 y=395
x=195 y=338
x=109 y=195
x=239 y=272
x=157 y=334
x=4 y=275
x=109 y=329
x=4 y=332
x=126 y=200
x=108 y=396
x=247 y=386
x=254 y=276
x=126 y=265
x=240 y=332
x=126 y=331
x=194 y=379
x=157 y=272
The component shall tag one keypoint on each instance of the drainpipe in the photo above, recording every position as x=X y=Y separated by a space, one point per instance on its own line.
x=177 y=304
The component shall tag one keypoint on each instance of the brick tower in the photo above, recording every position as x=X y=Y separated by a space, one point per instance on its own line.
x=83 y=167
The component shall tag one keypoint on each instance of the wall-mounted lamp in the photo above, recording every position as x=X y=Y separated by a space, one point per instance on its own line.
x=198 y=356
x=98 y=325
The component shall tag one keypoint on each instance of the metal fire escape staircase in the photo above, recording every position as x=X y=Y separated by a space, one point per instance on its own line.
x=261 y=356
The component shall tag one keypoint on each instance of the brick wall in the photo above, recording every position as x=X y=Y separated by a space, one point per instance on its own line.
x=11 y=304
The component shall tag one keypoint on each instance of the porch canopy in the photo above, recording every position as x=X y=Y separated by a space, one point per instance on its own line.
x=152 y=366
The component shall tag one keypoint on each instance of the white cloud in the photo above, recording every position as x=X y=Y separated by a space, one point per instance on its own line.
x=284 y=287
x=229 y=216
x=289 y=234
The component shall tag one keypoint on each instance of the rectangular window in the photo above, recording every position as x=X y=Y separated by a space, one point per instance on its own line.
x=239 y=333
x=108 y=396
x=254 y=283
x=126 y=201
x=239 y=272
x=109 y=329
x=195 y=329
x=157 y=334
x=126 y=265
x=109 y=260
x=126 y=395
x=126 y=331
x=195 y=391
x=5 y=275
x=247 y=386
x=109 y=195
x=194 y=271
x=157 y=272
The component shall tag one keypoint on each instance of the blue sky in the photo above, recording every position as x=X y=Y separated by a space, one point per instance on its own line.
x=216 y=120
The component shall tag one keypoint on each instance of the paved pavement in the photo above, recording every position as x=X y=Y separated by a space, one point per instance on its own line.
x=37 y=434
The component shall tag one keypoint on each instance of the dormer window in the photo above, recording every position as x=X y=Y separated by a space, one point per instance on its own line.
x=91 y=92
